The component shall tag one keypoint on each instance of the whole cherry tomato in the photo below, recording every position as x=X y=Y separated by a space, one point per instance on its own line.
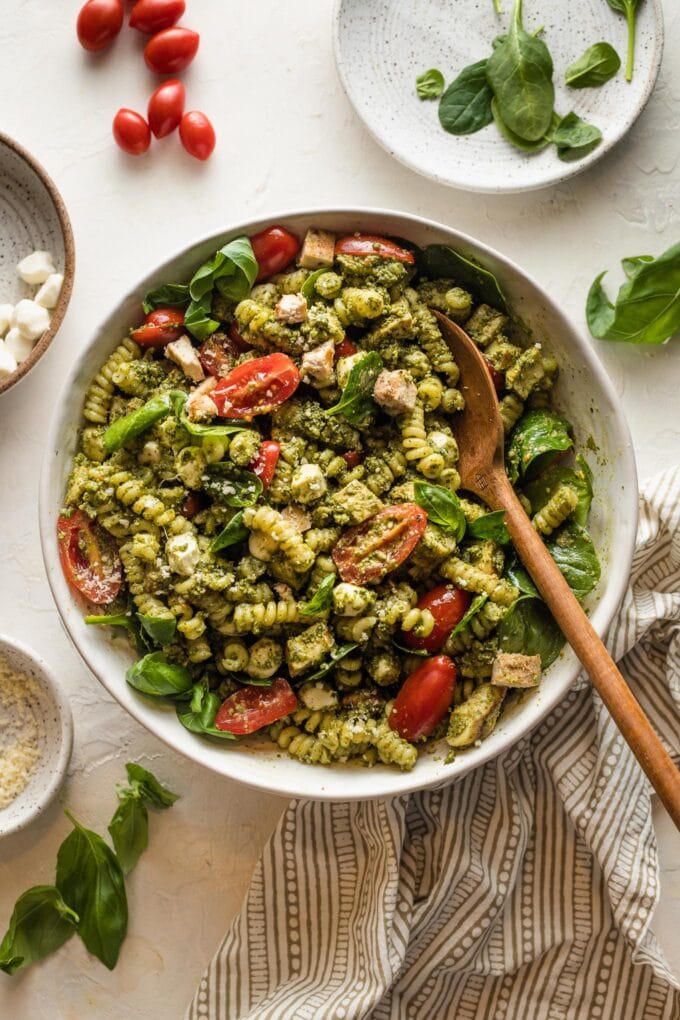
x=99 y=22
x=197 y=134
x=424 y=699
x=171 y=50
x=166 y=107
x=497 y=378
x=448 y=605
x=264 y=463
x=369 y=551
x=89 y=558
x=369 y=244
x=160 y=328
x=345 y=349
x=151 y=16
x=131 y=132
x=275 y=248
x=254 y=707
x=256 y=387
x=352 y=458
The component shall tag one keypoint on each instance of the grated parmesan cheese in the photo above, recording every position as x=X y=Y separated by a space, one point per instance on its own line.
x=22 y=733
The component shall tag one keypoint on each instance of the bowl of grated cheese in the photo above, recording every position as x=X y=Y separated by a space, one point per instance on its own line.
x=36 y=735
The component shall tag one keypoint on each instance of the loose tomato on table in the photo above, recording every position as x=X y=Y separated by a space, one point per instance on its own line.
x=254 y=707
x=369 y=244
x=197 y=135
x=256 y=387
x=274 y=248
x=264 y=463
x=448 y=605
x=99 y=22
x=151 y=16
x=131 y=132
x=369 y=551
x=89 y=558
x=160 y=328
x=171 y=50
x=424 y=699
x=166 y=107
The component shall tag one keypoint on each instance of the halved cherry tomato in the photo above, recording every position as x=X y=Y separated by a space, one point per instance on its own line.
x=171 y=50
x=448 y=605
x=254 y=707
x=99 y=22
x=345 y=349
x=352 y=458
x=237 y=339
x=160 y=328
x=217 y=355
x=424 y=699
x=369 y=551
x=89 y=558
x=369 y=244
x=497 y=378
x=166 y=107
x=197 y=134
x=256 y=387
x=274 y=248
x=264 y=463
x=131 y=132
x=151 y=16
x=193 y=504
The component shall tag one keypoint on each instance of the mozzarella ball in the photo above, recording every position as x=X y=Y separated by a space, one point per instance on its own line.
x=31 y=319
x=308 y=483
x=183 y=553
x=18 y=345
x=48 y=295
x=7 y=362
x=6 y=313
x=36 y=268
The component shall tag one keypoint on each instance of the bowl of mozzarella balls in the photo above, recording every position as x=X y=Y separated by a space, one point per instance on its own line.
x=37 y=262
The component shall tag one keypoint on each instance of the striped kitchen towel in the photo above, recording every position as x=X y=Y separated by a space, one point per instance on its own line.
x=525 y=891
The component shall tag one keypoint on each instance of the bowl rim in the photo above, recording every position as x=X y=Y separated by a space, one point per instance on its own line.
x=58 y=313
x=47 y=792
x=380 y=785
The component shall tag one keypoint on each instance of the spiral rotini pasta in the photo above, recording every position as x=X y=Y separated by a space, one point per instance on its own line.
x=558 y=508
x=100 y=393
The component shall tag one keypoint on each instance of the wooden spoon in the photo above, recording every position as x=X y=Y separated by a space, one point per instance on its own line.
x=479 y=432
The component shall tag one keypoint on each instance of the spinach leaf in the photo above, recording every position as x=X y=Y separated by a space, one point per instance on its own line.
x=161 y=630
x=573 y=551
x=442 y=507
x=322 y=597
x=41 y=923
x=472 y=610
x=529 y=628
x=544 y=487
x=129 y=829
x=90 y=879
x=595 y=67
x=629 y=10
x=149 y=787
x=520 y=73
x=575 y=138
x=357 y=402
x=535 y=441
x=171 y=295
x=490 y=526
x=328 y=667
x=234 y=531
x=517 y=575
x=439 y=260
x=155 y=676
x=198 y=715
x=430 y=84
x=647 y=309
x=465 y=107
x=635 y=264
x=221 y=431
x=231 y=486
x=308 y=289
x=521 y=143
x=125 y=429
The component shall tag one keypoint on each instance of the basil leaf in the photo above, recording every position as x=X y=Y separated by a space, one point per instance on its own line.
x=544 y=487
x=575 y=138
x=328 y=667
x=595 y=67
x=517 y=575
x=439 y=260
x=231 y=486
x=235 y=531
x=573 y=551
x=357 y=402
x=41 y=923
x=199 y=715
x=442 y=507
x=233 y=269
x=308 y=290
x=198 y=319
x=155 y=676
x=521 y=143
x=226 y=428
x=629 y=10
x=634 y=264
x=530 y=629
x=90 y=879
x=146 y=784
x=125 y=429
x=322 y=597
x=647 y=309
x=519 y=71
x=430 y=84
x=465 y=107
x=172 y=295
x=490 y=526
x=160 y=630
x=474 y=607
x=129 y=829
x=535 y=441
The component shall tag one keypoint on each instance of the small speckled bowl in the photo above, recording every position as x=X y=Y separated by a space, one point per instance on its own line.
x=55 y=713
x=33 y=217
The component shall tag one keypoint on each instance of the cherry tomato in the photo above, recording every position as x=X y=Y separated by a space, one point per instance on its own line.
x=99 y=22
x=448 y=605
x=193 y=504
x=275 y=248
x=151 y=16
x=254 y=707
x=160 y=328
x=171 y=50
x=369 y=551
x=166 y=107
x=497 y=378
x=352 y=458
x=345 y=349
x=89 y=558
x=217 y=355
x=256 y=387
x=237 y=339
x=424 y=699
x=197 y=134
x=369 y=244
x=264 y=463
x=131 y=132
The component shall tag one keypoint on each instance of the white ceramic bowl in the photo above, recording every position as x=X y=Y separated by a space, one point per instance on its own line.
x=54 y=711
x=585 y=395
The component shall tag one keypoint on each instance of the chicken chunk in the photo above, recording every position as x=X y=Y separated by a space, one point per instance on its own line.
x=317 y=365
x=200 y=406
x=511 y=669
x=183 y=353
x=395 y=392
x=291 y=308
x=318 y=249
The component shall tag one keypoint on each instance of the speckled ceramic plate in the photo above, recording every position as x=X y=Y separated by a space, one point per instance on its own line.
x=382 y=45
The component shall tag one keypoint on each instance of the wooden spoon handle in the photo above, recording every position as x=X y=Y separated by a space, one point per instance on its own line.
x=579 y=632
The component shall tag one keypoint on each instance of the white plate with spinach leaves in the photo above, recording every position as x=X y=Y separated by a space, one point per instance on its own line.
x=519 y=125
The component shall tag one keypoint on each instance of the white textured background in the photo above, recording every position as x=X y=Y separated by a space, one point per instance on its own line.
x=287 y=137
